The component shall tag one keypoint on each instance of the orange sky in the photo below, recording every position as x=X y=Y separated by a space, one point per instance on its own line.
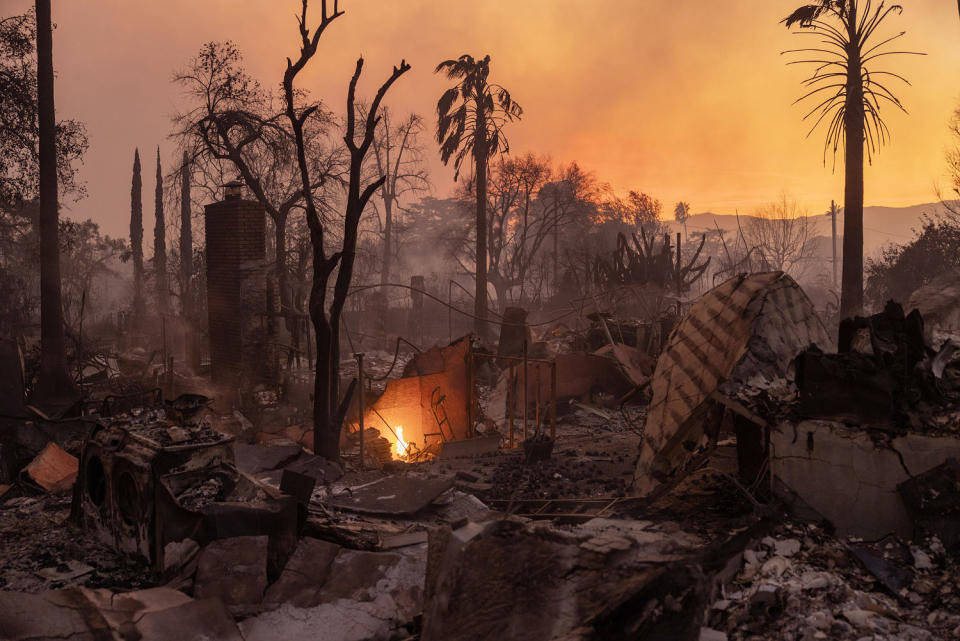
x=679 y=98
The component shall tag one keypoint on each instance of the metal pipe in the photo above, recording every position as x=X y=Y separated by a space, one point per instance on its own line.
x=518 y=359
x=359 y=357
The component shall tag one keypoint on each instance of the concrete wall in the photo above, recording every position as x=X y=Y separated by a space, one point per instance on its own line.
x=839 y=472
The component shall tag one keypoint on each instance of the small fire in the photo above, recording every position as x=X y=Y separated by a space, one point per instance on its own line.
x=401 y=444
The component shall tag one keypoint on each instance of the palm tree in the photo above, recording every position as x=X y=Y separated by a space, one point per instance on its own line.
x=681 y=212
x=848 y=97
x=54 y=382
x=470 y=120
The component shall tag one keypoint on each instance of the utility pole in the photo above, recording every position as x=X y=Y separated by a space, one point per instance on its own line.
x=833 y=220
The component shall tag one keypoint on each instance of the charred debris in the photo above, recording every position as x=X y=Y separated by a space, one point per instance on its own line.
x=723 y=471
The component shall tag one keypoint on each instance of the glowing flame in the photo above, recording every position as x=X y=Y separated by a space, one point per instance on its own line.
x=401 y=444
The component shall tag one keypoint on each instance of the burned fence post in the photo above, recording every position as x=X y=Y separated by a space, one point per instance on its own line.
x=359 y=357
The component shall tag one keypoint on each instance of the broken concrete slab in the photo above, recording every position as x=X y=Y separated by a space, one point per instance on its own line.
x=253 y=459
x=849 y=479
x=53 y=469
x=746 y=328
x=304 y=575
x=469 y=447
x=233 y=570
x=363 y=595
x=81 y=614
x=321 y=470
x=395 y=495
x=933 y=501
x=549 y=584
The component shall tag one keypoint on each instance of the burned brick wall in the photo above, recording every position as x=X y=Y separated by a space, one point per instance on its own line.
x=236 y=290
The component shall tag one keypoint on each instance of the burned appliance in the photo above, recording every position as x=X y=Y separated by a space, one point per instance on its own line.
x=155 y=486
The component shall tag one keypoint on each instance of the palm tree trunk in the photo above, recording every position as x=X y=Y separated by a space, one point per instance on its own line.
x=54 y=381
x=480 y=299
x=851 y=294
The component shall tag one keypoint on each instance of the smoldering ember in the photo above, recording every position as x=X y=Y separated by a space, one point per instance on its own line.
x=398 y=363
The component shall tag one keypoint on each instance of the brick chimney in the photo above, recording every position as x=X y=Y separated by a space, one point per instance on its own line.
x=236 y=291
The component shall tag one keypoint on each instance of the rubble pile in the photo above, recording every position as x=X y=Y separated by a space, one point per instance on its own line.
x=749 y=484
x=801 y=583
x=884 y=377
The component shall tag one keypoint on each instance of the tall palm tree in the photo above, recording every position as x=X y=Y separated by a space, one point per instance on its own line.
x=848 y=96
x=470 y=120
x=54 y=382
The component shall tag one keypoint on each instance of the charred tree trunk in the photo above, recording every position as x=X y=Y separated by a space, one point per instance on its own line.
x=327 y=421
x=851 y=296
x=387 y=236
x=54 y=381
x=480 y=297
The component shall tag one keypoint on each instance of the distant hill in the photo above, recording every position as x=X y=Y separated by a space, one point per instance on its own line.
x=881 y=225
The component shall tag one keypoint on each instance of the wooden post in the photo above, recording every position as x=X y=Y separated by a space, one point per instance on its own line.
x=679 y=273
x=470 y=390
x=536 y=413
x=525 y=376
x=553 y=399
x=511 y=400
x=359 y=357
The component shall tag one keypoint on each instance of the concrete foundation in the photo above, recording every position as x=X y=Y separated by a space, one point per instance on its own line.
x=842 y=474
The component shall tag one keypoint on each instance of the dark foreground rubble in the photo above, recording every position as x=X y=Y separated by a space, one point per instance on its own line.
x=517 y=506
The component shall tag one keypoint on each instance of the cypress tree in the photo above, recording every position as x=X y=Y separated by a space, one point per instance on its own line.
x=136 y=235
x=160 y=244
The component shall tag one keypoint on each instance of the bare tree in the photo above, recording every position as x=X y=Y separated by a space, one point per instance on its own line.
x=516 y=227
x=782 y=235
x=235 y=126
x=398 y=155
x=328 y=410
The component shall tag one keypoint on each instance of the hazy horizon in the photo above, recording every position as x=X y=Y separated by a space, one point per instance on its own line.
x=678 y=123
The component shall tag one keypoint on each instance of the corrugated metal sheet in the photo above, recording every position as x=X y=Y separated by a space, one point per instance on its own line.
x=749 y=325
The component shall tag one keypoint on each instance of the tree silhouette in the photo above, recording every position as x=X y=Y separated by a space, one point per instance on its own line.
x=234 y=126
x=186 y=241
x=160 y=244
x=470 y=120
x=399 y=158
x=328 y=408
x=680 y=213
x=848 y=96
x=136 y=234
